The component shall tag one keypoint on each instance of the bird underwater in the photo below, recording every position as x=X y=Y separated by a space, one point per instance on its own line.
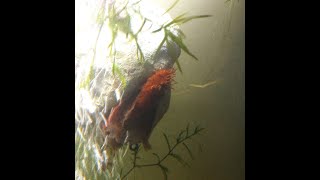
x=133 y=121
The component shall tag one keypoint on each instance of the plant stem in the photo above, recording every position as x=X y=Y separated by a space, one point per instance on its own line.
x=160 y=161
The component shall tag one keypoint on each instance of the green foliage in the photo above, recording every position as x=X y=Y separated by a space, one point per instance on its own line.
x=117 y=71
x=178 y=39
x=180 y=139
x=189 y=151
x=164 y=170
x=89 y=77
x=101 y=14
x=167 y=140
x=85 y=155
x=122 y=24
x=171 y=7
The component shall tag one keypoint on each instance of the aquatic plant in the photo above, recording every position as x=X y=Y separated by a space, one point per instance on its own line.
x=182 y=137
x=121 y=23
x=92 y=162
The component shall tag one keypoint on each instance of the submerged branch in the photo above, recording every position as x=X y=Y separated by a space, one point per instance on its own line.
x=182 y=137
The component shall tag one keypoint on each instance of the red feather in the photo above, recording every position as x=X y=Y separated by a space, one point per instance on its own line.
x=138 y=119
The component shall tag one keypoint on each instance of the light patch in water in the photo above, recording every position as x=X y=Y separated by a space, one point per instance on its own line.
x=117 y=92
x=203 y=85
x=87 y=102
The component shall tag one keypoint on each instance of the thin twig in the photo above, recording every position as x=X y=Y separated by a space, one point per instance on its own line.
x=196 y=131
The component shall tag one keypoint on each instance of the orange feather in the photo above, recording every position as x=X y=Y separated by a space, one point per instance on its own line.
x=139 y=116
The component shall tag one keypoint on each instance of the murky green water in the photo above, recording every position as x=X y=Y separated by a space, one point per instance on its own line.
x=219 y=43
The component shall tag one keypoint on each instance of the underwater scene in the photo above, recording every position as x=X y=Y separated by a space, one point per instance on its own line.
x=160 y=89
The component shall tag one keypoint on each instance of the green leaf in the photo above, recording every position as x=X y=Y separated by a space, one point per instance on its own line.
x=196 y=129
x=157 y=156
x=181 y=19
x=144 y=22
x=187 y=129
x=160 y=45
x=157 y=30
x=180 y=43
x=179 y=66
x=101 y=14
x=176 y=20
x=180 y=136
x=136 y=3
x=164 y=168
x=139 y=52
x=124 y=25
x=178 y=158
x=116 y=71
x=200 y=129
x=124 y=7
x=189 y=151
x=164 y=171
x=181 y=34
x=90 y=76
x=165 y=136
x=186 y=19
x=171 y=7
